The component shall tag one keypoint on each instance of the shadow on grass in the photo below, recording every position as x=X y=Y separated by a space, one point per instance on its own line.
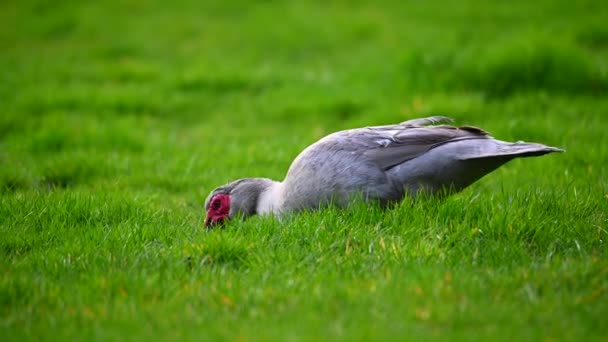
x=593 y=36
x=11 y=183
x=535 y=65
x=70 y=170
x=516 y=66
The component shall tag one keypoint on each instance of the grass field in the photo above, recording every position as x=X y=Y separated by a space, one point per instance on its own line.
x=118 y=117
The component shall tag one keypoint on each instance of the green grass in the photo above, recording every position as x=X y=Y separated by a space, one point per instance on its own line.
x=118 y=118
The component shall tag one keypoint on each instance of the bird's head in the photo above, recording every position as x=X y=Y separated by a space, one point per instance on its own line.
x=218 y=209
x=238 y=198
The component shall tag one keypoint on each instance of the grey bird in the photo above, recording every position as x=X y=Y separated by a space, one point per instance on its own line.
x=381 y=163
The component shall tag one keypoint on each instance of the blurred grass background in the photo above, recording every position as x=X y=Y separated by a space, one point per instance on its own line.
x=118 y=117
x=78 y=77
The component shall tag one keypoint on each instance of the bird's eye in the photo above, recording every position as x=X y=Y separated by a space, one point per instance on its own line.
x=216 y=204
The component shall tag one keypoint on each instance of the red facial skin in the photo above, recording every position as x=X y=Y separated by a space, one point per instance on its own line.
x=219 y=210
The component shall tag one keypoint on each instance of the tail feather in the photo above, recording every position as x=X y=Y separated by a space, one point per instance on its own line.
x=514 y=150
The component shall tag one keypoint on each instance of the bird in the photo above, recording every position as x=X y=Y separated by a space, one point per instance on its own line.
x=381 y=164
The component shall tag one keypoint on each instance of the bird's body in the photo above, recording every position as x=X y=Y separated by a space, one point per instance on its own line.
x=382 y=163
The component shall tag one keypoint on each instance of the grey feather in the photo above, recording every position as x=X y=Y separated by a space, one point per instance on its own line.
x=380 y=163
x=432 y=120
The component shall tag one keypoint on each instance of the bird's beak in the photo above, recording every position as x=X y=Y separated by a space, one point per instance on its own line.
x=211 y=220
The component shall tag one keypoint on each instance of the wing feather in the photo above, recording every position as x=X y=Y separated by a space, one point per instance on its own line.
x=391 y=145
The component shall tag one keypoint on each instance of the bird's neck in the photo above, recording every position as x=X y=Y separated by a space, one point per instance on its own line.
x=269 y=200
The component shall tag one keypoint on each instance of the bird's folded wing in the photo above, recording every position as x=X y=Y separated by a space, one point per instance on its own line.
x=388 y=148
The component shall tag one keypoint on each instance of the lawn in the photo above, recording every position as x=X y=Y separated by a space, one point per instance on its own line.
x=118 y=117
